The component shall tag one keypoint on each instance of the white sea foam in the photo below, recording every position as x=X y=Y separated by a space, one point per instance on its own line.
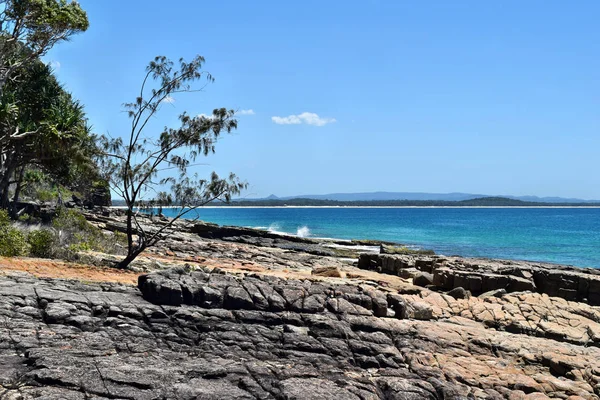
x=273 y=227
x=303 y=231
x=361 y=248
x=276 y=228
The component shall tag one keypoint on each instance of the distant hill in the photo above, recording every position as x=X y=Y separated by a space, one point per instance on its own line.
x=478 y=202
x=418 y=196
x=274 y=201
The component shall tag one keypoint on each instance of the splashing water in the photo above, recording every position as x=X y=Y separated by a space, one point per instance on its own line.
x=303 y=231
x=275 y=228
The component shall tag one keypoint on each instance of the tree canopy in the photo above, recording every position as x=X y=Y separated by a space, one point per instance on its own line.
x=29 y=28
x=41 y=126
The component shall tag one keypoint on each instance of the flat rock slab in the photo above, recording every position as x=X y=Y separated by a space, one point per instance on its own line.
x=206 y=335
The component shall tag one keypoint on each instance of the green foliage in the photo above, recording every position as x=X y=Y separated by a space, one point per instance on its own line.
x=38 y=25
x=120 y=237
x=41 y=126
x=75 y=234
x=45 y=195
x=50 y=194
x=74 y=229
x=13 y=242
x=24 y=217
x=45 y=137
x=41 y=243
x=69 y=234
x=387 y=249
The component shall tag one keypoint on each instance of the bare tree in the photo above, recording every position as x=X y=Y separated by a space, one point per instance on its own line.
x=140 y=165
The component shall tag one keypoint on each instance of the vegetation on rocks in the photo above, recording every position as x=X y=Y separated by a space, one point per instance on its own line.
x=69 y=234
x=42 y=243
x=73 y=233
x=13 y=242
x=395 y=249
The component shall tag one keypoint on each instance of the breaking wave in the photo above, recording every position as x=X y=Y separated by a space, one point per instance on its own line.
x=303 y=231
x=276 y=228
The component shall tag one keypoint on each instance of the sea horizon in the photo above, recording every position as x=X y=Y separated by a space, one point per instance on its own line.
x=391 y=207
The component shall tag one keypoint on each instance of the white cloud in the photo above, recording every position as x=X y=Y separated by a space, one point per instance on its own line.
x=205 y=116
x=304 y=118
x=246 y=112
x=54 y=65
x=168 y=99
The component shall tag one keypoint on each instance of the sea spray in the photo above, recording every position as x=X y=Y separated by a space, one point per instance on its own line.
x=303 y=231
x=275 y=228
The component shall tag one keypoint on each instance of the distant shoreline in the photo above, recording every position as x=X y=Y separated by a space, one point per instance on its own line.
x=353 y=207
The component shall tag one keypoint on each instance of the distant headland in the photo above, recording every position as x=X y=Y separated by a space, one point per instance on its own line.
x=421 y=196
x=390 y=199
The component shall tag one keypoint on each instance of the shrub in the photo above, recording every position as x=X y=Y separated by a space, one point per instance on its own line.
x=24 y=217
x=42 y=243
x=76 y=234
x=45 y=195
x=12 y=241
x=70 y=219
x=386 y=249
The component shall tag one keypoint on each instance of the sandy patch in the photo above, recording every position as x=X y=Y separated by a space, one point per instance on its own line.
x=44 y=268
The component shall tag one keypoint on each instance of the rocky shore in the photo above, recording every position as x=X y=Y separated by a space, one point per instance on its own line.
x=223 y=313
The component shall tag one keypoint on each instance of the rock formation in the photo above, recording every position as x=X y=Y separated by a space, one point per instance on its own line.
x=188 y=334
x=251 y=322
x=484 y=275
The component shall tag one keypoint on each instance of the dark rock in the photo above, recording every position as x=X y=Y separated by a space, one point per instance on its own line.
x=493 y=293
x=300 y=339
x=369 y=261
x=160 y=290
x=423 y=279
x=236 y=298
x=313 y=389
x=459 y=293
x=569 y=283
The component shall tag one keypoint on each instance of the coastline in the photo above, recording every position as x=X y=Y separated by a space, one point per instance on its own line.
x=425 y=228
x=357 y=207
x=228 y=312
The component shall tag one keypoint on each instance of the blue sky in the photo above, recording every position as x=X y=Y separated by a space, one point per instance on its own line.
x=421 y=96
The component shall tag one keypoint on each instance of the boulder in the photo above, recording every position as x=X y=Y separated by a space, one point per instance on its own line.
x=459 y=293
x=423 y=279
x=333 y=272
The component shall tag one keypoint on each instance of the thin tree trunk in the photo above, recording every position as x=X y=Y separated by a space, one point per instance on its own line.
x=129 y=231
x=18 y=191
x=5 y=185
x=124 y=263
x=59 y=201
x=133 y=249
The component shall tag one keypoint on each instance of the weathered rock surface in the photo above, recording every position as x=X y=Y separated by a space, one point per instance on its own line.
x=203 y=334
x=288 y=325
x=483 y=275
x=249 y=236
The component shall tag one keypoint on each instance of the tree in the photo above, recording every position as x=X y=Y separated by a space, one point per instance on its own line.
x=136 y=167
x=61 y=145
x=29 y=28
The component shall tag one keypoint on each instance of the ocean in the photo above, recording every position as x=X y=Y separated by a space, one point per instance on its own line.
x=569 y=236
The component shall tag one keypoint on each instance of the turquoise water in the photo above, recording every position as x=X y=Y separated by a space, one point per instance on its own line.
x=559 y=235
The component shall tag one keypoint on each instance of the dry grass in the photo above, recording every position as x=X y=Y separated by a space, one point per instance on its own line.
x=44 y=268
